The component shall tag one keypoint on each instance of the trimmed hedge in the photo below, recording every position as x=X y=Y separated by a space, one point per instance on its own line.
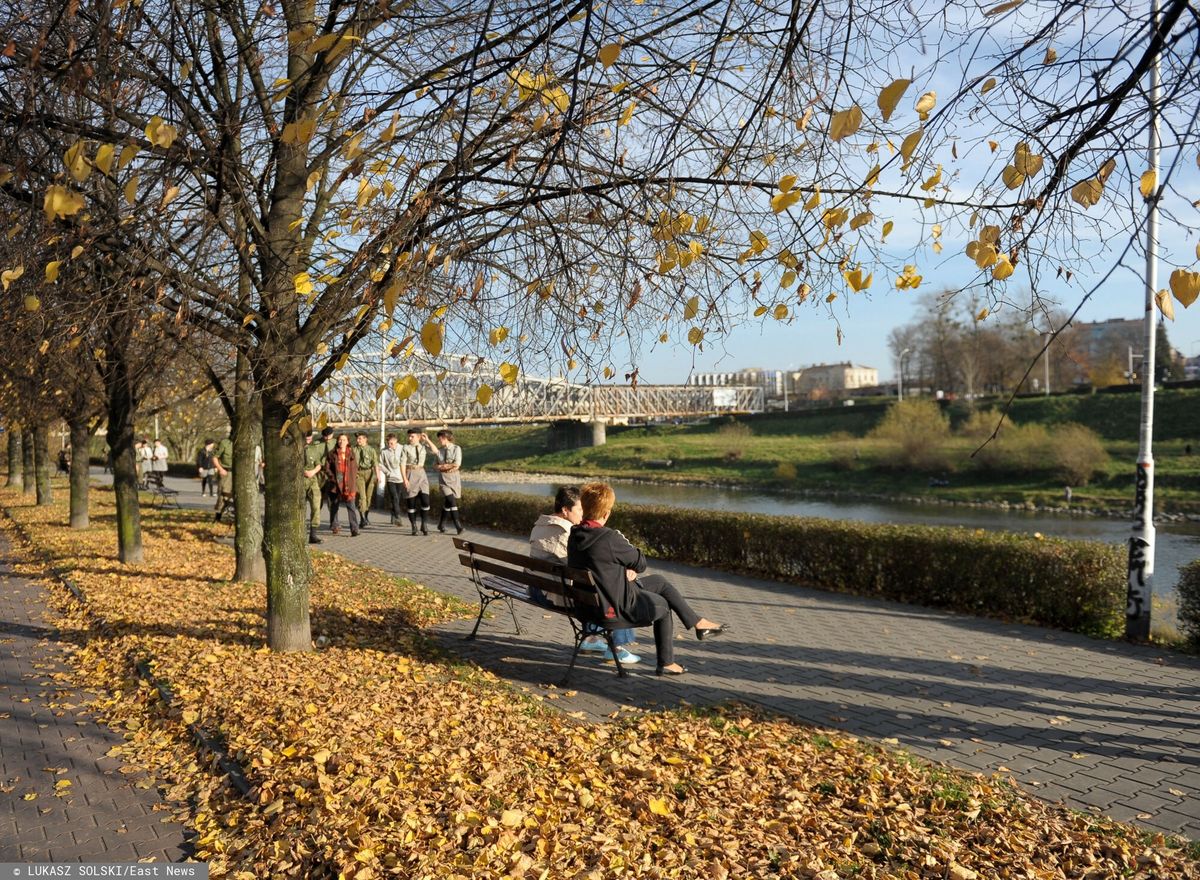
x=1189 y=602
x=1071 y=585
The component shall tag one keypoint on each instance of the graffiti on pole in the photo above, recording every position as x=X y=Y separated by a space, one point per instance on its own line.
x=1139 y=556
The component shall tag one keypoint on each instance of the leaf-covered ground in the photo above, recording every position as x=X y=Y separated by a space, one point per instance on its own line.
x=376 y=755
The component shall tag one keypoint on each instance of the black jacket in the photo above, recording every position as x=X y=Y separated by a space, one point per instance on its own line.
x=607 y=554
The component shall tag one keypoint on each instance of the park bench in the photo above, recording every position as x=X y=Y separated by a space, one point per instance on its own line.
x=503 y=576
x=161 y=495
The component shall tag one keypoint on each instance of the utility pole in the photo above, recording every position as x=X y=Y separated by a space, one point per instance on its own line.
x=1140 y=584
x=900 y=375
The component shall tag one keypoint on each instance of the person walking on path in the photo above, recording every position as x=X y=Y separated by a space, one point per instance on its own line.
x=367 y=459
x=314 y=467
x=145 y=454
x=449 y=465
x=206 y=469
x=548 y=541
x=391 y=462
x=616 y=566
x=416 y=482
x=159 y=455
x=328 y=442
x=341 y=475
x=223 y=462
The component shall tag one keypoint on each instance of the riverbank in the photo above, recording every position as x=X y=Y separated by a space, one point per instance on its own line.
x=517 y=477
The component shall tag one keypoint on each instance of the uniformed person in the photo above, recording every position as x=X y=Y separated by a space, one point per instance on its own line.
x=314 y=462
x=223 y=462
x=368 y=467
x=328 y=442
x=449 y=465
x=416 y=483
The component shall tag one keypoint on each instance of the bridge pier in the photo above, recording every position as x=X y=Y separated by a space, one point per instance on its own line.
x=571 y=434
x=599 y=432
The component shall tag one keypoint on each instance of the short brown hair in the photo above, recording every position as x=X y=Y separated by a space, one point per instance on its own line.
x=597 y=499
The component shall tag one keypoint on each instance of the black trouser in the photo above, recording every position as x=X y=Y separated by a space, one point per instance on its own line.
x=449 y=509
x=656 y=599
x=420 y=500
x=395 y=498
x=351 y=512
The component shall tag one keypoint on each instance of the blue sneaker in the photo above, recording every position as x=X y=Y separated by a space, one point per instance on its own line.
x=627 y=658
x=594 y=644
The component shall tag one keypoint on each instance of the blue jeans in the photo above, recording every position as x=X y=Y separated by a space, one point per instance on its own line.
x=620 y=636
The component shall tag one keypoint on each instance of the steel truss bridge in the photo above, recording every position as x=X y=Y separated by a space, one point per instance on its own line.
x=449 y=397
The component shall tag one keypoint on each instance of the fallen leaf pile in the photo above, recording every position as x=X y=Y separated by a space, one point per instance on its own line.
x=378 y=756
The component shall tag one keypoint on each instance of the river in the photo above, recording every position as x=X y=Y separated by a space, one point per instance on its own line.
x=1176 y=544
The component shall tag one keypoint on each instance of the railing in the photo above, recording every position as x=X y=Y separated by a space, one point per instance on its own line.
x=449 y=397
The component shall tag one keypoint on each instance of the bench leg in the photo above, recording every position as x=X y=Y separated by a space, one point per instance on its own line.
x=513 y=611
x=574 y=656
x=612 y=648
x=483 y=604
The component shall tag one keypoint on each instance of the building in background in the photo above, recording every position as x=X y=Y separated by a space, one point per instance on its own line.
x=818 y=382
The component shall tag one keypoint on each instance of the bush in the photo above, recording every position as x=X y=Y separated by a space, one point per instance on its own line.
x=1073 y=585
x=917 y=430
x=785 y=471
x=1189 y=602
x=1077 y=454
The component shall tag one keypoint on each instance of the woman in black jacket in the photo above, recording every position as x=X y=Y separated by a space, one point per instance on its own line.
x=615 y=565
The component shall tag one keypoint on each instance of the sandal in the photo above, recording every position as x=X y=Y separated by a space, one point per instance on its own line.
x=662 y=670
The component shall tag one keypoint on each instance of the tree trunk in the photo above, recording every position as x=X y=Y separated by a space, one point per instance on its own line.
x=81 y=439
x=285 y=532
x=41 y=463
x=16 y=479
x=27 y=462
x=247 y=434
x=125 y=478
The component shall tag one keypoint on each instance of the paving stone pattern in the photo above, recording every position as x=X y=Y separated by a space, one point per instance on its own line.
x=1101 y=725
x=105 y=817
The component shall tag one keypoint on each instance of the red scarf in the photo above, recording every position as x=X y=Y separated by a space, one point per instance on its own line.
x=347 y=491
x=591 y=524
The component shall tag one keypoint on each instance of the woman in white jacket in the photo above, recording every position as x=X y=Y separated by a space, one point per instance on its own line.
x=548 y=540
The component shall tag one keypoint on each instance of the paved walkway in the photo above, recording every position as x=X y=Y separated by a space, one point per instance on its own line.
x=1100 y=725
x=45 y=742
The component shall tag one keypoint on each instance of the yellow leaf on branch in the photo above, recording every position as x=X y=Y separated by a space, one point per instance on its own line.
x=1185 y=286
x=1162 y=299
x=509 y=372
x=692 y=308
x=77 y=162
x=498 y=335
x=891 y=95
x=1148 y=184
x=608 y=54
x=130 y=190
x=298 y=132
x=844 y=123
x=484 y=395
x=856 y=281
x=104 y=158
x=432 y=335
x=303 y=284
x=61 y=202
x=909 y=145
x=160 y=133
x=695 y=336
x=925 y=105
x=1087 y=192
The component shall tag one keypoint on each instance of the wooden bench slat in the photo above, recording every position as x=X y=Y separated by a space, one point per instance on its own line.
x=578 y=596
x=544 y=566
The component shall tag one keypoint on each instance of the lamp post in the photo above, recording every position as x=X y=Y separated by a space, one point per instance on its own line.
x=1140 y=583
x=900 y=374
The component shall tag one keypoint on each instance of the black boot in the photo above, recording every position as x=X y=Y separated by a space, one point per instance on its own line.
x=412 y=521
x=424 y=531
x=457 y=522
x=363 y=519
x=312 y=536
x=442 y=521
